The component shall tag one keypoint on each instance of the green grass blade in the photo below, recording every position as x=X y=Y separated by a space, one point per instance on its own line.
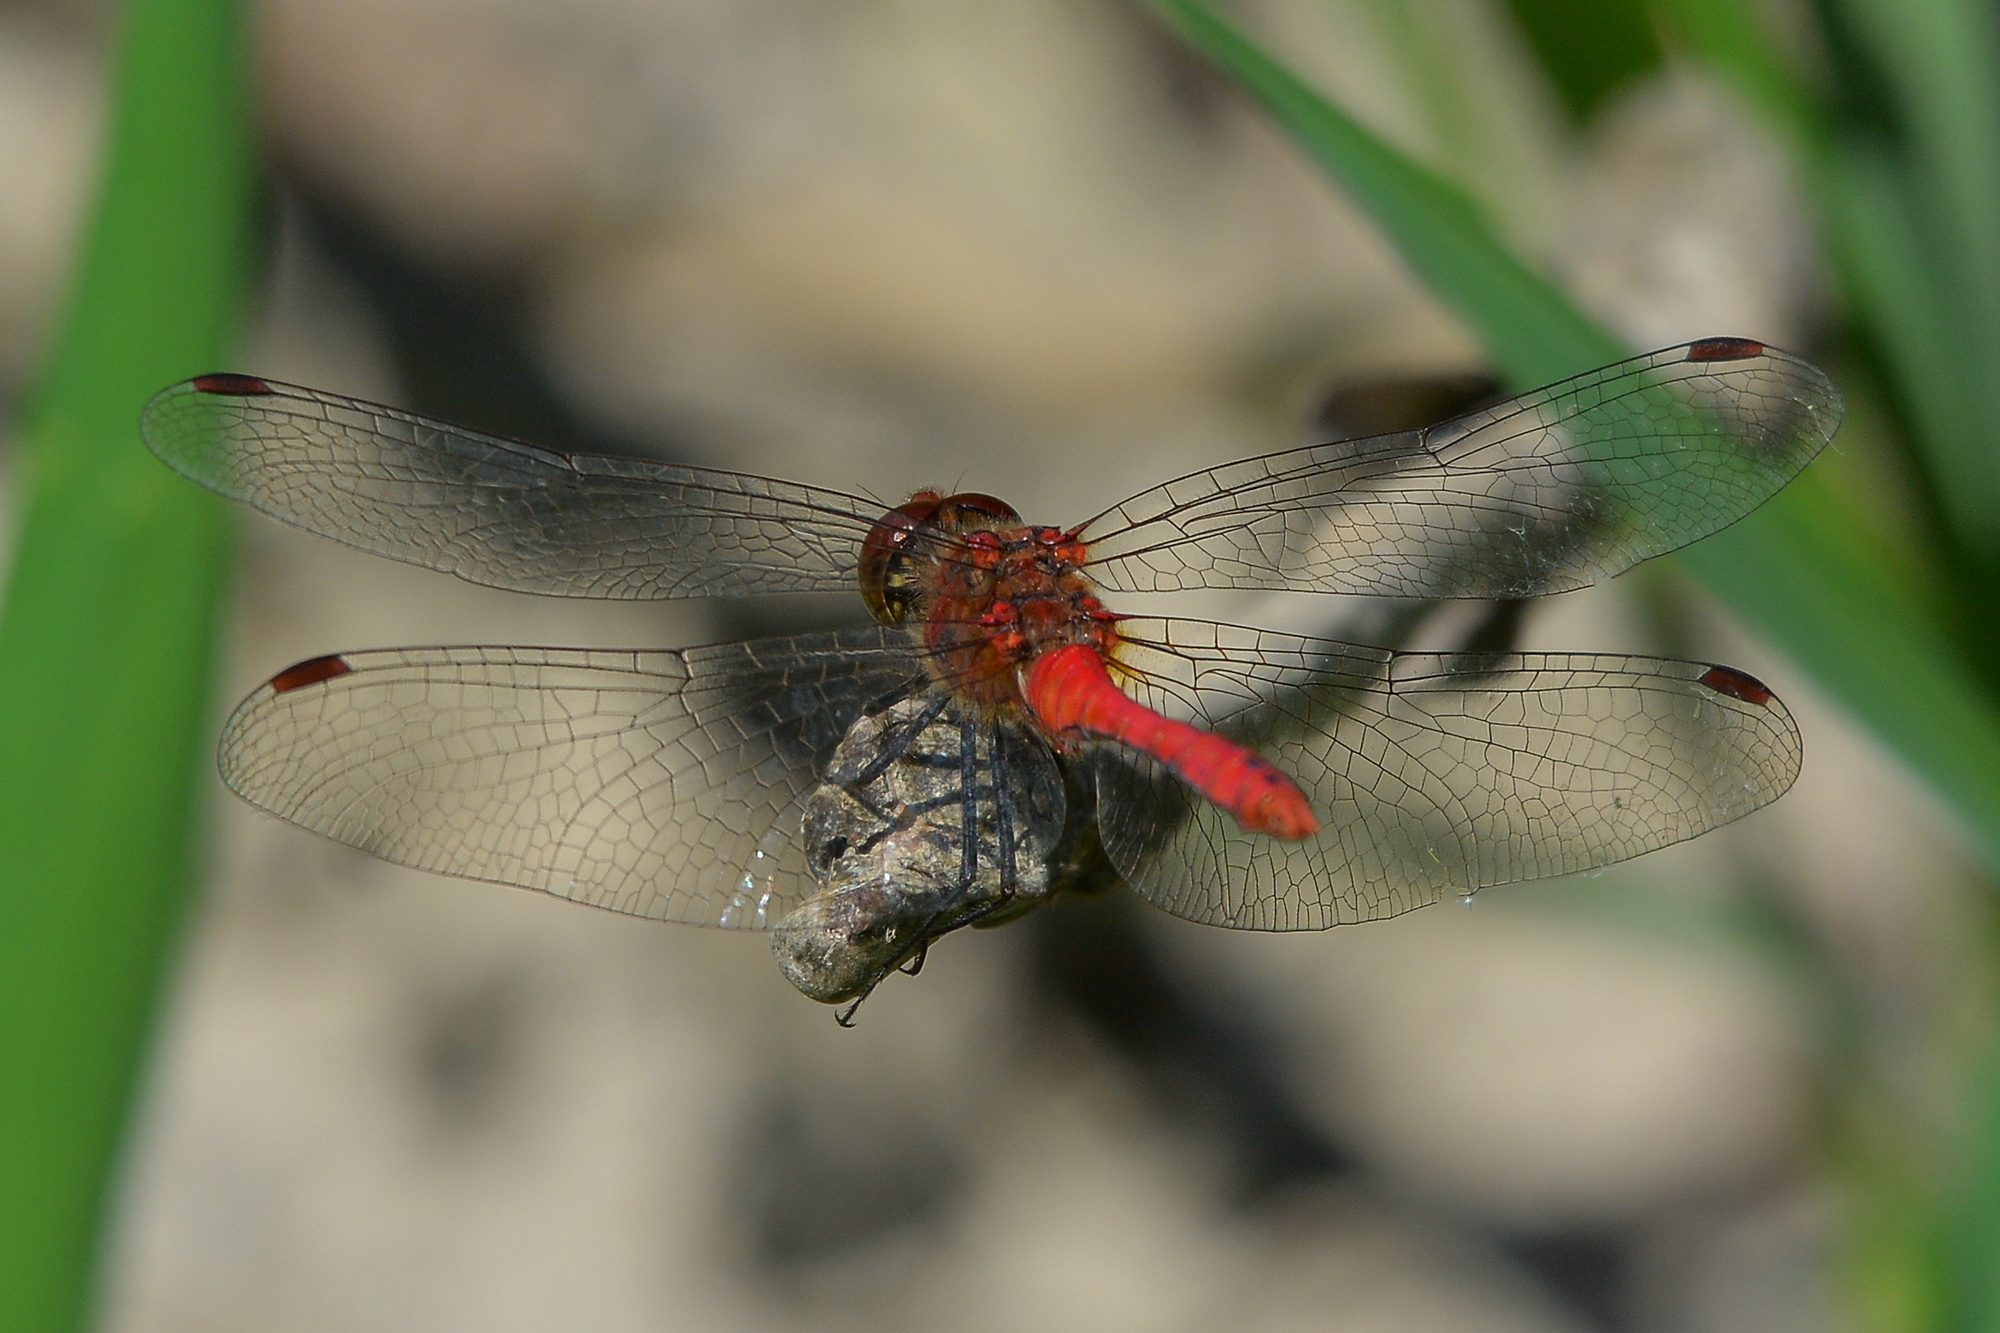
x=1891 y=274
x=105 y=642
x=1919 y=202
x=1917 y=1256
x=1941 y=62
x=1792 y=569
x=1803 y=574
x=1974 y=1218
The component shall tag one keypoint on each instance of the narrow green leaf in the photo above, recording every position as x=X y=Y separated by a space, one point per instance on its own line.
x=1917 y=1256
x=1941 y=60
x=1975 y=1218
x=1925 y=191
x=1894 y=279
x=1803 y=574
x=1793 y=569
x=105 y=641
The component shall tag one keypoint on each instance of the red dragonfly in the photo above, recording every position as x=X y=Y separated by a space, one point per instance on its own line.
x=863 y=791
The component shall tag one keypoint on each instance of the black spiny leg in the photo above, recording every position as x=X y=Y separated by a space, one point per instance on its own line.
x=968 y=806
x=898 y=743
x=1003 y=834
x=1003 y=819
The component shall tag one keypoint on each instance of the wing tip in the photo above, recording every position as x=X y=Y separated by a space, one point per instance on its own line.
x=179 y=443
x=1808 y=385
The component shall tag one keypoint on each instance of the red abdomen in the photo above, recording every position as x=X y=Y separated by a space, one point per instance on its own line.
x=1069 y=689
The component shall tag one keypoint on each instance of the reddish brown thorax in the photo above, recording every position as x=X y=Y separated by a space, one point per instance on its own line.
x=1011 y=623
x=991 y=593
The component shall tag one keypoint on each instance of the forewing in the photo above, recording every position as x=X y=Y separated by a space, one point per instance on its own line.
x=1431 y=773
x=662 y=784
x=496 y=511
x=1547 y=492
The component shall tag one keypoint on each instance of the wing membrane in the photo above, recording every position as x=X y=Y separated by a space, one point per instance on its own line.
x=1432 y=773
x=1550 y=491
x=661 y=784
x=499 y=512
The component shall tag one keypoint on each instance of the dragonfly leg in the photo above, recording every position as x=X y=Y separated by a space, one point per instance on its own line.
x=1003 y=819
x=968 y=805
x=1003 y=829
x=1003 y=816
x=898 y=743
x=909 y=964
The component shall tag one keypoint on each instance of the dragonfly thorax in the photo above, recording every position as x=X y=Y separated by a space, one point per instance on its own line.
x=990 y=594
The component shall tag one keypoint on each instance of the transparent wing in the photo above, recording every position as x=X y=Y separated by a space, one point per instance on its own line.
x=662 y=784
x=1550 y=491
x=1431 y=773
x=499 y=512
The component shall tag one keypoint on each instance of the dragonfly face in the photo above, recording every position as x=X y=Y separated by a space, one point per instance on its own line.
x=865 y=791
x=908 y=540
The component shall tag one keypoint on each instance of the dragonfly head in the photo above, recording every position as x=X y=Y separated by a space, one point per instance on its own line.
x=890 y=570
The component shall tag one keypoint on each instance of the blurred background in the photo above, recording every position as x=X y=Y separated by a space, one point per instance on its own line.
x=1038 y=248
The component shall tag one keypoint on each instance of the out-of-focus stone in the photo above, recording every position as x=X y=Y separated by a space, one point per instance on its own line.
x=1080 y=1215
x=1764 y=1268
x=397 y=1103
x=1334 y=1260
x=1688 y=221
x=1527 y=1066
x=466 y=127
x=51 y=92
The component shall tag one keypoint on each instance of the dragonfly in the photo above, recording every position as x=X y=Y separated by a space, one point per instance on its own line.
x=861 y=792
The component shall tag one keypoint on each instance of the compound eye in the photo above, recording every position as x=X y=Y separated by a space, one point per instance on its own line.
x=969 y=510
x=883 y=574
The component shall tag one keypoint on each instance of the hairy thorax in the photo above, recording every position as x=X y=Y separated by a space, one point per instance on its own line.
x=987 y=593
